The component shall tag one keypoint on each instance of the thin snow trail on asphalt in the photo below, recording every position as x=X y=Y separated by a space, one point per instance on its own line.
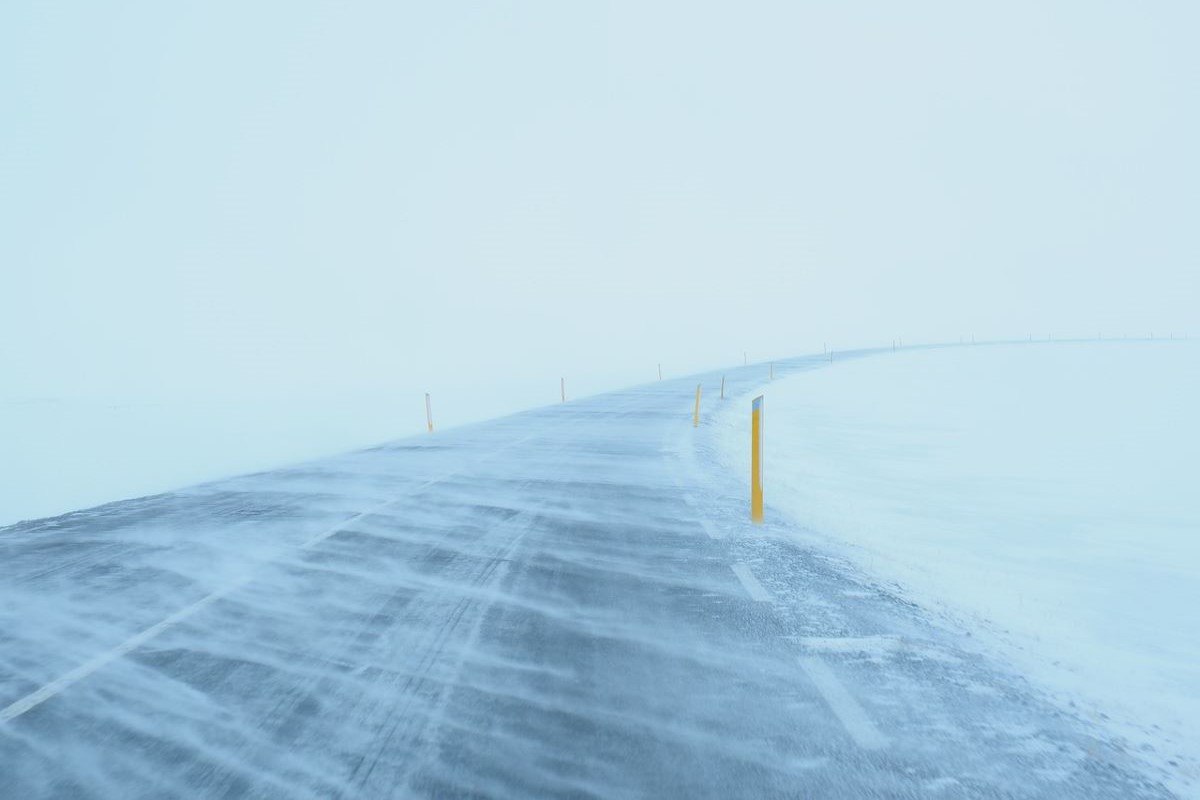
x=44 y=693
x=564 y=602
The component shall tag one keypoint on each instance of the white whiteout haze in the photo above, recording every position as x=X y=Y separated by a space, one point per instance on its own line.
x=1042 y=495
x=204 y=202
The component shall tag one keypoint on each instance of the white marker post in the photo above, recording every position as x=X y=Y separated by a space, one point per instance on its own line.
x=428 y=413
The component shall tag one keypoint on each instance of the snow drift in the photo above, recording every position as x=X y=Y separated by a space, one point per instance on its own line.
x=1044 y=495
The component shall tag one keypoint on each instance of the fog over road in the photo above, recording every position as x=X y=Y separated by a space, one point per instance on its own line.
x=566 y=602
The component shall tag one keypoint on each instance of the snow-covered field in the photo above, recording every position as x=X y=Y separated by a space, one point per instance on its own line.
x=61 y=454
x=1044 y=495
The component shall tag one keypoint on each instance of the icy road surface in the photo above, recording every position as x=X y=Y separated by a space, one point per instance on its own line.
x=566 y=602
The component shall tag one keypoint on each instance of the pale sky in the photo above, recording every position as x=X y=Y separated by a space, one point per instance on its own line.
x=476 y=199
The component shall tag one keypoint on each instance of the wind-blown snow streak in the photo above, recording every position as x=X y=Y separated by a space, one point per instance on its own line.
x=83 y=670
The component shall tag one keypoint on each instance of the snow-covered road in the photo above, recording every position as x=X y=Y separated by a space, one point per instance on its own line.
x=569 y=601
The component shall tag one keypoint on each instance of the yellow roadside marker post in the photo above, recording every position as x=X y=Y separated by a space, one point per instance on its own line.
x=696 y=413
x=756 y=465
x=428 y=413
